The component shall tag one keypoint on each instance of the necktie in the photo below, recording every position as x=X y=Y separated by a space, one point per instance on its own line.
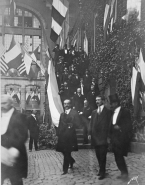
x=99 y=110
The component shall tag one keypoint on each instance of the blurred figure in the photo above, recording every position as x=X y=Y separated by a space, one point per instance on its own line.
x=120 y=133
x=85 y=118
x=14 y=134
x=87 y=82
x=98 y=133
x=78 y=101
x=67 y=140
x=91 y=97
x=33 y=126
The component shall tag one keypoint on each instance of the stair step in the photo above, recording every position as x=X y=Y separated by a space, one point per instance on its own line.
x=86 y=146
x=79 y=131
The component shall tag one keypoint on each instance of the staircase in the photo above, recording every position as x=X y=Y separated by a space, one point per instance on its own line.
x=80 y=139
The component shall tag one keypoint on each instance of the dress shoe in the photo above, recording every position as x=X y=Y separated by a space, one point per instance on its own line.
x=71 y=165
x=123 y=177
x=98 y=174
x=101 y=177
x=64 y=173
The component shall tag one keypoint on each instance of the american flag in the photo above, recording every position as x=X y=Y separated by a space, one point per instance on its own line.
x=22 y=67
x=3 y=66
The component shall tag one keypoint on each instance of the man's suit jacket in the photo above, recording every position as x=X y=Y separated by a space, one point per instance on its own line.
x=75 y=118
x=87 y=111
x=16 y=136
x=33 y=126
x=78 y=102
x=99 y=127
x=121 y=138
x=67 y=140
x=92 y=99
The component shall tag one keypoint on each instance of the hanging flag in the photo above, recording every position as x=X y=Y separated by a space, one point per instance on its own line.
x=135 y=90
x=110 y=16
x=58 y=13
x=34 y=69
x=12 y=11
x=3 y=66
x=22 y=68
x=36 y=57
x=55 y=104
x=85 y=44
x=113 y=14
x=13 y=57
x=141 y=65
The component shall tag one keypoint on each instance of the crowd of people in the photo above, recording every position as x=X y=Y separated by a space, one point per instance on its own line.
x=83 y=108
x=73 y=76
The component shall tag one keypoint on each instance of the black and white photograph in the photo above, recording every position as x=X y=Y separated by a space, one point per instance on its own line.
x=72 y=75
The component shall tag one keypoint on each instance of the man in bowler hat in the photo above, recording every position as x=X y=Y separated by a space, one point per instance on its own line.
x=120 y=134
x=98 y=133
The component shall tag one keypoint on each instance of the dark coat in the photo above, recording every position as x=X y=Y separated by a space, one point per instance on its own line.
x=33 y=127
x=78 y=102
x=121 y=138
x=67 y=140
x=87 y=111
x=16 y=136
x=99 y=127
x=91 y=97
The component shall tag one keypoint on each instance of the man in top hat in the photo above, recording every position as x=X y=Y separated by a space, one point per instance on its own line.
x=98 y=133
x=120 y=134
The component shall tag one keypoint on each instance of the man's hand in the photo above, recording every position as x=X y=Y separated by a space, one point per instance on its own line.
x=8 y=156
x=89 y=137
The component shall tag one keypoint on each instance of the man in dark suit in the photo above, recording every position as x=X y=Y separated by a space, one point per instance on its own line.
x=14 y=134
x=120 y=134
x=98 y=133
x=67 y=140
x=87 y=82
x=91 y=97
x=85 y=116
x=33 y=126
x=78 y=100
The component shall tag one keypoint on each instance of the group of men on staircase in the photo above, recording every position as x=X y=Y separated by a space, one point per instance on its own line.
x=82 y=101
x=75 y=83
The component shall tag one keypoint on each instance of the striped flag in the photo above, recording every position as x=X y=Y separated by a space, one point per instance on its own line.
x=12 y=11
x=59 y=10
x=55 y=104
x=3 y=66
x=22 y=68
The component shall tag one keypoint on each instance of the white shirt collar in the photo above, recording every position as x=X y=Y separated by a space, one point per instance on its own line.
x=5 y=119
x=67 y=111
x=101 y=107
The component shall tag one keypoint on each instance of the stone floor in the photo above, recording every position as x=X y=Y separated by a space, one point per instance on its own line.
x=45 y=168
